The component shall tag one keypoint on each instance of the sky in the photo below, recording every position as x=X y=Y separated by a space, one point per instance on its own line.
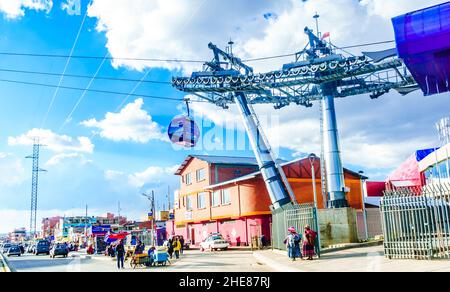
x=102 y=149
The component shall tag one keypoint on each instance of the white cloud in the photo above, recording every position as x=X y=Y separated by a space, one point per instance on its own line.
x=152 y=175
x=112 y=175
x=388 y=8
x=131 y=124
x=59 y=158
x=16 y=8
x=53 y=141
x=183 y=28
x=12 y=171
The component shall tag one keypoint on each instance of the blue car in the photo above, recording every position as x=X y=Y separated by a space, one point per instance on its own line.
x=42 y=247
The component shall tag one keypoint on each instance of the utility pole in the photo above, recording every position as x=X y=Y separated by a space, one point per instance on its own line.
x=85 y=224
x=168 y=198
x=34 y=185
x=151 y=198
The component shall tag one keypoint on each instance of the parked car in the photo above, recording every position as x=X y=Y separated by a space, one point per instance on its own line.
x=14 y=250
x=6 y=247
x=214 y=242
x=59 y=249
x=42 y=247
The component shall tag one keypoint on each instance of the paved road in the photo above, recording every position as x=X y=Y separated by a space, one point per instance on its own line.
x=191 y=261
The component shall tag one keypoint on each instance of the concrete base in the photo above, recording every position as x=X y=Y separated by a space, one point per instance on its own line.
x=338 y=226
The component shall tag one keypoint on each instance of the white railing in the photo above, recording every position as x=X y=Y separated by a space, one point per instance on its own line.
x=4 y=264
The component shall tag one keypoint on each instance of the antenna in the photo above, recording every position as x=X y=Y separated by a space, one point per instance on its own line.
x=316 y=17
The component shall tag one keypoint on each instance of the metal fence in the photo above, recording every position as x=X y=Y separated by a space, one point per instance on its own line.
x=416 y=223
x=297 y=216
x=374 y=226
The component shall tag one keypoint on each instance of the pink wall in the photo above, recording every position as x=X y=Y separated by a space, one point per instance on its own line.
x=238 y=231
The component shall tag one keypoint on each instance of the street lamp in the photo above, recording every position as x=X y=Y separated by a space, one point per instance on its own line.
x=312 y=159
x=366 y=228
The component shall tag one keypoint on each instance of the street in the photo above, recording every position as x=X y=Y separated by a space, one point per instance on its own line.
x=191 y=261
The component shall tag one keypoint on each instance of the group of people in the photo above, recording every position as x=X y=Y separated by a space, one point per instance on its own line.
x=175 y=245
x=307 y=240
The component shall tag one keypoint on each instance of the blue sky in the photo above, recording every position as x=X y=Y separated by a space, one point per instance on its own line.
x=106 y=154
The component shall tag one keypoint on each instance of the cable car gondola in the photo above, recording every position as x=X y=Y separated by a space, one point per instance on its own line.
x=183 y=130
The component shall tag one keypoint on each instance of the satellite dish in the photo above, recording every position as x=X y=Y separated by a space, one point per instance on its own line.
x=183 y=130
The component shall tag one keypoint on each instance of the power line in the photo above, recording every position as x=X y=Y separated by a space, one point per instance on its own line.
x=69 y=117
x=91 y=90
x=340 y=48
x=172 y=60
x=133 y=90
x=368 y=45
x=82 y=76
x=65 y=69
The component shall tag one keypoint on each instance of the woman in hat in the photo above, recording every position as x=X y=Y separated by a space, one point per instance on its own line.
x=309 y=239
x=292 y=242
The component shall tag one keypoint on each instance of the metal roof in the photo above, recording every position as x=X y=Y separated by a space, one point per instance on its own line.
x=227 y=160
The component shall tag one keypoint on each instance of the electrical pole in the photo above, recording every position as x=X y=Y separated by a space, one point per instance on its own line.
x=34 y=185
x=168 y=198
x=151 y=198
x=85 y=225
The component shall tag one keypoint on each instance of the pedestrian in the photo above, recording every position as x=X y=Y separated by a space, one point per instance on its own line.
x=182 y=244
x=177 y=248
x=139 y=248
x=90 y=250
x=151 y=256
x=120 y=251
x=170 y=248
x=263 y=241
x=292 y=242
x=309 y=239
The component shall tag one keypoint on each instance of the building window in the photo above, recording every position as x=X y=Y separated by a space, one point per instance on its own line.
x=216 y=199
x=189 y=203
x=201 y=175
x=201 y=201
x=188 y=179
x=226 y=198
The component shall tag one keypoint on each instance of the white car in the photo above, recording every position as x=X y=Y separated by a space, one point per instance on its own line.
x=214 y=242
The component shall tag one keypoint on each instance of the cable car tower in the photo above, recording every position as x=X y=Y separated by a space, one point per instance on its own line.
x=319 y=73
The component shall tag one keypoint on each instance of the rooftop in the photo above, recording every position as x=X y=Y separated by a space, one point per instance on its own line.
x=224 y=160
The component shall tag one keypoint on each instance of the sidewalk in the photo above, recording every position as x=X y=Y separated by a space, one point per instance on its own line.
x=365 y=259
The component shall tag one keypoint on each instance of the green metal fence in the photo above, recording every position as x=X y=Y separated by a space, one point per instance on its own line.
x=416 y=223
x=297 y=216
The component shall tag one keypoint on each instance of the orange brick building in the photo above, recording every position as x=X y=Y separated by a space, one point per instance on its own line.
x=228 y=195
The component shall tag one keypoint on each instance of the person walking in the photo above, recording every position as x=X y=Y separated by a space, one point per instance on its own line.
x=120 y=251
x=309 y=239
x=182 y=244
x=170 y=248
x=177 y=248
x=292 y=242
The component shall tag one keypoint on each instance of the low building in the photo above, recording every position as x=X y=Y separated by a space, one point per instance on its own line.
x=436 y=166
x=228 y=195
x=73 y=228
x=49 y=225
x=18 y=235
x=424 y=167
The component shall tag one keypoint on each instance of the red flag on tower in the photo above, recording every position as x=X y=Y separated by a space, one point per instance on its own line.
x=326 y=35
